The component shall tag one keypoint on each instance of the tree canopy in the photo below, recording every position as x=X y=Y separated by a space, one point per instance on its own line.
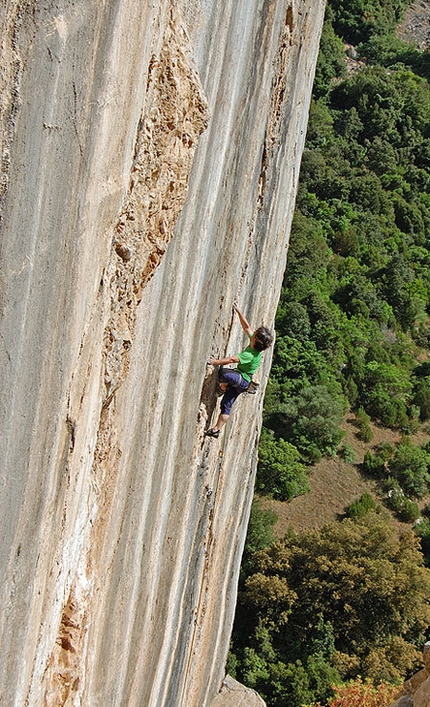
x=354 y=310
x=348 y=602
x=329 y=605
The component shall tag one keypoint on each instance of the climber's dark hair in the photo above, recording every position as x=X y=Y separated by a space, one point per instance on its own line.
x=263 y=338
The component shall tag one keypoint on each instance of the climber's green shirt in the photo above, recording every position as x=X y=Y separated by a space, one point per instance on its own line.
x=249 y=360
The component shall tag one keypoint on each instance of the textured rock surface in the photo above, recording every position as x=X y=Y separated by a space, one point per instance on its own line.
x=233 y=694
x=121 y=526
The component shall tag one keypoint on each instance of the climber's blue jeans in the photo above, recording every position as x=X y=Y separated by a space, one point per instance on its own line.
x=236 y=385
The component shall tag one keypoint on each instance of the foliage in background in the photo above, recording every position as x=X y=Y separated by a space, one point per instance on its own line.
x=358 y=20
x=404 y=472
x=259 y=535
x=422 y=529
x=359 y=508
x=354 y=309
x=281 y=472
x=320 y=609
x=362 y=694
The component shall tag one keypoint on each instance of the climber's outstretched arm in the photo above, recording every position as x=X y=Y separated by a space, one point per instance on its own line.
x=223 y=361
x=243 y=321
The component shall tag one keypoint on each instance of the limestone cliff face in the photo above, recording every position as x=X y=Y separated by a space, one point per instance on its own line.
x=150 y=157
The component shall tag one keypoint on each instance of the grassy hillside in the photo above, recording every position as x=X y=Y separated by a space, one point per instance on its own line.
x=336 y=483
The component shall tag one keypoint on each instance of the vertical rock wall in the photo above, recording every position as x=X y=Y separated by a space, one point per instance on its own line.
x=150 y=157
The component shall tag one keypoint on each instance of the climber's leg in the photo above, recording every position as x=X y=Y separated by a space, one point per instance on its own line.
x=228 y=399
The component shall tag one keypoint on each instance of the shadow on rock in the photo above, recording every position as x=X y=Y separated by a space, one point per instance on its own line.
x=208 y=396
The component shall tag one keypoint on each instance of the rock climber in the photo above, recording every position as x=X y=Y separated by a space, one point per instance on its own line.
x=234 y=381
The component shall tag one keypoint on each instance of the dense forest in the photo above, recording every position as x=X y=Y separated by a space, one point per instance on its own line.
x=341 y=613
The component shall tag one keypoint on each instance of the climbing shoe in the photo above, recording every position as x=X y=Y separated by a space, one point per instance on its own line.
x=213 y=433
x=252 y=387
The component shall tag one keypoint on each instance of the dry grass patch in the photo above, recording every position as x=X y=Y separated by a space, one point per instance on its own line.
x=334 y=483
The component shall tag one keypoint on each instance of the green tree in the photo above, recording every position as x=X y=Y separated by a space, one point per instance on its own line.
x=387 y=391
x=389 y=50
x=311 y=421
x=363 y=423
x=320 y=127
x=363 y=579
x=410 y=466
x=374 y=465
x=358 y=20
x=280 y=469
x=331 y=59
x=421 y=390
x=405 y=509
x=259 y=534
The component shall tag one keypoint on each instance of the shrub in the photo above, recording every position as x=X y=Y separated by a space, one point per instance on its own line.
x=386 y=450
x=374 y=465
x=348 y=454
x=358 y=20
x=409 y=466
x=362 y=694
x=365 y=433
x=360 y=507
x=410 y=511
x=363 y=422
x=405 y=509
x=396 y=496
x=331 y=61
x=389 y=50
